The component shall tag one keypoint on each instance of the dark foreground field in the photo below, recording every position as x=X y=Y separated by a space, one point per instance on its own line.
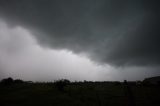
x=78 y=94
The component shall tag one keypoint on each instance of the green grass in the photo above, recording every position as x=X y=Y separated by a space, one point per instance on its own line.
x=80 y=94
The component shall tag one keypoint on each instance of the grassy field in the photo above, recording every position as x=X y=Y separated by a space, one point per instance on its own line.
x=77 y=94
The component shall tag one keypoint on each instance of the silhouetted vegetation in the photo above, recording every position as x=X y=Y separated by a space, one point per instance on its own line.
x=87 y=93
x=7 y=81
x=60 y=84
x=10 y=81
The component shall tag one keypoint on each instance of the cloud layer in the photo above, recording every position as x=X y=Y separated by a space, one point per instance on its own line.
x=119 y=33
x=108 y=31
x=21 y=57
x=122 y=37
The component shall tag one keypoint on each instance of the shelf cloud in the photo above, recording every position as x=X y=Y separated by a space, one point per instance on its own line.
x=117 y=33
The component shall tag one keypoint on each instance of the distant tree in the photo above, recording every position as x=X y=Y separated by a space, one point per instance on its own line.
x=7 y=81
x=18 y=81
x=28 y=81
x=138 y=83
x=60 y=84
x=146 y=83
x=117 y=83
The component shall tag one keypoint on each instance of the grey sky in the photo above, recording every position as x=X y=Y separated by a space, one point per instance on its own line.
x=21 y=57
x=122 y=35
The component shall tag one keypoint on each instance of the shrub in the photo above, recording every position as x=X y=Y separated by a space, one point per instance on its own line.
x=18 y=81
x=7 y=81
x=60 y=84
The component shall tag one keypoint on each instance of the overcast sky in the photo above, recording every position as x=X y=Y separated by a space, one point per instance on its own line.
x=45 y=40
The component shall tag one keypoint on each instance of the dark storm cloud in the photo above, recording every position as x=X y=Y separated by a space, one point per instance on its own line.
x=110 y=31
